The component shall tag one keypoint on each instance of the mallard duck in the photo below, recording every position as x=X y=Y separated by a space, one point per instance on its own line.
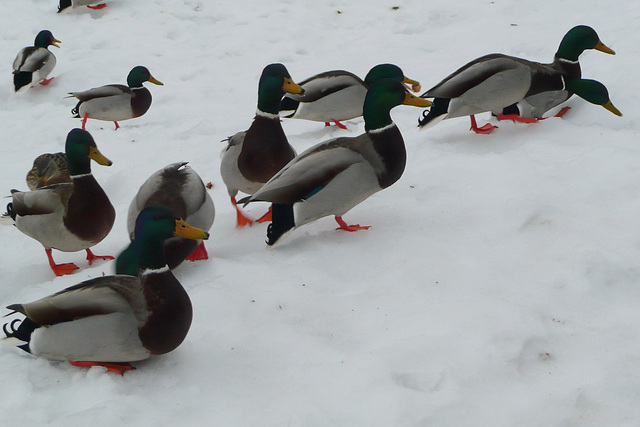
x=48 y=169
x=180 y=188
x=34 y=63
x=338 y=95
x=116 y=102
x=336 y=175
x=496 y=81
x=114 y=319
x=252 y=157
x=71 y=216
x=91 y=4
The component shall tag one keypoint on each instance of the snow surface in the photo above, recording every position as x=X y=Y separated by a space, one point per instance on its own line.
x=498 y=285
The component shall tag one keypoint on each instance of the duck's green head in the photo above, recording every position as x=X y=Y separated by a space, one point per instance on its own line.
x=579 y=39
x=81 y=149
x=390 y=71
x=274 y=82
x=45 y=39
x=592 y=91
x=381 y=97
x=154 y=225
x=139 y=75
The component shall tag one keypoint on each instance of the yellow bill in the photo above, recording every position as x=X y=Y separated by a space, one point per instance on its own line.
x=97 y=156
x=189 y=232
x=290 y=87
x=609 y=106
x=415 y=101
x=155 y=82
x=602 y=48
x=413 y=85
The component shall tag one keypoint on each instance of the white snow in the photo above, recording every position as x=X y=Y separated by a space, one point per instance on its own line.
x=498 y=285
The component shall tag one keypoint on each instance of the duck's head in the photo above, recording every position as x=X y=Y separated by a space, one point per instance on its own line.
x=139 y=75
x=390 y=71
x=81 y=149
x=381 y=97
x=154 y=225
x=592 y=91
x=275 y=81
x=45 y=39
x=579 y=39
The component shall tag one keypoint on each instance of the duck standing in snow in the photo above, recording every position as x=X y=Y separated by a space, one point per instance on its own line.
x=499 y=82
x=48 y=169
x=70 y=216
x=112 y=320
x=178 y=187
x=34 y=63
x=338 y=95
x=91 y=4
x=252 y=157
x=336 y=175
x=116 y=102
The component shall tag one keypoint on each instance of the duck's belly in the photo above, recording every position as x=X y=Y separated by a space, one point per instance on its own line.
x=231 y=175
x=348 y=189
x=50 y=231
x=342 y=105
x=108 y=108
x=104 y=338
x=493 y=94
x=46 y=69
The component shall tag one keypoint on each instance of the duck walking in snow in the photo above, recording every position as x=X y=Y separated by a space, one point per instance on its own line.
x=336 y=175
x=91 y=4
x=116 y=102
x=48 y=169
x=520 y=87
x=72 y=216
x=181 y=189
x=34 y=63
x=252 y=157
x=112 y=320
x=338 y=95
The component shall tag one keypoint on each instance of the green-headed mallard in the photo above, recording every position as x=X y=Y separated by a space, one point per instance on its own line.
x=114 y=319
x=91 y=4
x=70 y=216
x=180 y=188
x=48 y=169
x=336 y=175
x=116 y=102
x=494 y=82
x=252 y=157
x=34 y=63
x=338 y=95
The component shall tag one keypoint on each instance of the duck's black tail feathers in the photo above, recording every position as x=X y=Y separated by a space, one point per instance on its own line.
x=22 y=333
x=76 y=109
x=440 y=106
x=288 y=107
x=10 y=211
x=21 y=79
x=282 y=222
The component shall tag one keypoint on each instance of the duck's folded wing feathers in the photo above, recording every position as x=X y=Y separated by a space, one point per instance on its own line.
x=102 y=295
x=325 y=84
x=42 y=201
x=31 y=59
x=101 y=92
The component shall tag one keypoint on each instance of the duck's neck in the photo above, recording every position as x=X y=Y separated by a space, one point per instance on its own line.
x=79 y=167
x=376 y=119
x=269 y=101
x=570 y=48
x=150 y=254
x=389 y=144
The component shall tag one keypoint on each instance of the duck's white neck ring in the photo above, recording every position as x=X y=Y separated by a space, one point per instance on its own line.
x=160 y=270
x=568 y=61
x=382 y=129
x=82 y=175
x=266 y=115
x=564 y=84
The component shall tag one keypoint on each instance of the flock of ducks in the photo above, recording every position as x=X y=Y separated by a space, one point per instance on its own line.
x=143 y=310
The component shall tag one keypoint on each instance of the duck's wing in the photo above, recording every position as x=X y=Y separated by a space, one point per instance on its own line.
x=326 y=83
x=44 y=200
x=31 y=59
x=102 y=295
x=101 y=92
x=471 y=75
x=309 y=172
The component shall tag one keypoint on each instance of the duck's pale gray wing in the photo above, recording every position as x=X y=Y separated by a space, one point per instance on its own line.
x=326 y=83
x=471 y=75
x=102 y=295
x=31 y=59
x=101 y=92
x=44 y=200
x=309 y=172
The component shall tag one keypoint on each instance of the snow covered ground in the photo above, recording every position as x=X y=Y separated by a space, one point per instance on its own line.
x=499 y=284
